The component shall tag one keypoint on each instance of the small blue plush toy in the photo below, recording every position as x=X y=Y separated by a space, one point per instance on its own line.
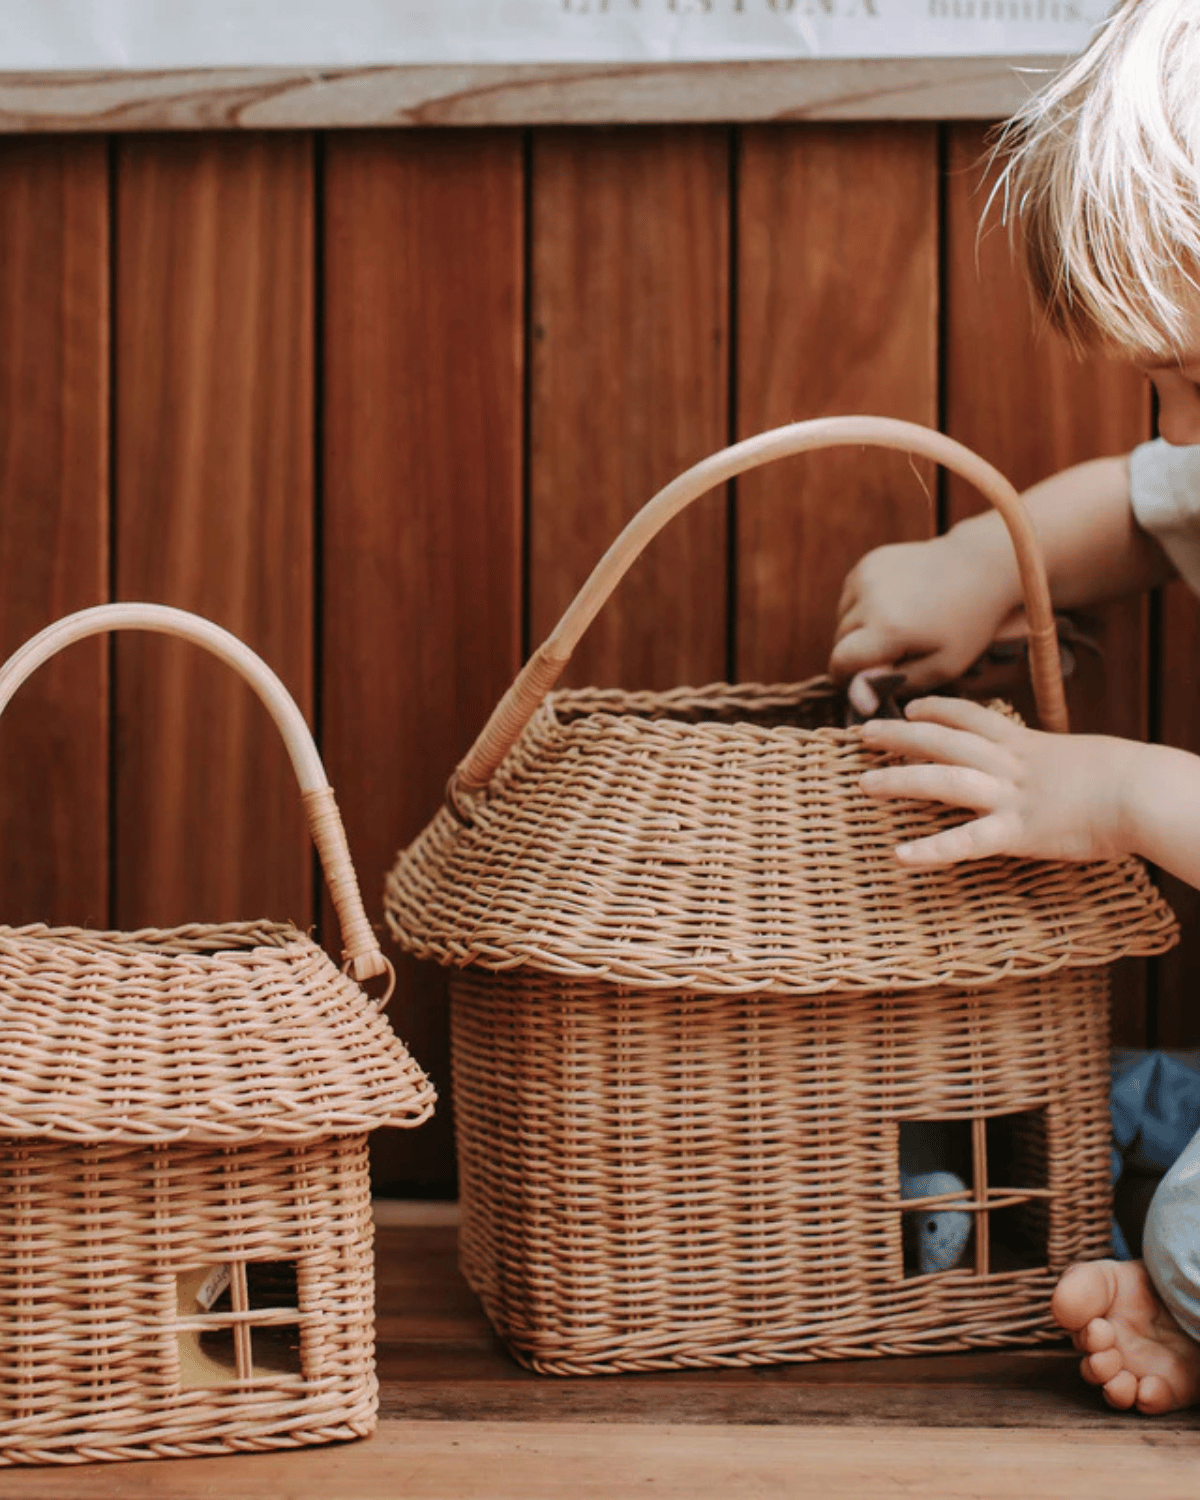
x=938 y=1234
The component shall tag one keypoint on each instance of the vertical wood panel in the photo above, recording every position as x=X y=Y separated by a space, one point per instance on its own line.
x=53 y=523
x=629 y=357
x=1177 y=1019
x=422 y=512
x=1022 y=400
x=214 y=513
x=837 y=312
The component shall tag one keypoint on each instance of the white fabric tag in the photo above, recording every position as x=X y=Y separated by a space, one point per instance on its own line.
x=212 y=1286
x=1164 y=489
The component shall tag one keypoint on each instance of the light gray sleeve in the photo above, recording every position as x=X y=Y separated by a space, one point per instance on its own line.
x=1164 y=489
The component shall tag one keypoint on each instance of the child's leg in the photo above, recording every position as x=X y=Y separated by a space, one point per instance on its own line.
x=1138 y=1324
x=1171 y=1239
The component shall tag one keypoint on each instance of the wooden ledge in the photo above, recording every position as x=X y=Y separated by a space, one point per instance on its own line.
x=597 y=1461
x=921 y=88
x=459 y=1420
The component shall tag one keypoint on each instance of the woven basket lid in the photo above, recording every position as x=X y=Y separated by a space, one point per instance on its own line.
x=718 y=839
x=217 y=1034
x=699 y=841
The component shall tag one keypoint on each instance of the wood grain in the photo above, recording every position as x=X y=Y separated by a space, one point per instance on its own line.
x=596 y=1461
x=423 y=364
x=459 y=1418
x=54 y=523
x=630 y=290
x=214 y=481
x=1019 y=397
x=1177 y=1015
x=440 y=1361
x=837 y=313
x=940 y=88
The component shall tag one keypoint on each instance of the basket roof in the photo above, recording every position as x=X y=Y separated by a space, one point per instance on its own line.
x=710 y=841
x=230 y=1034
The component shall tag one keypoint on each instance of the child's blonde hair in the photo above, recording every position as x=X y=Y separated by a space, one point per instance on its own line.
x=1103 y=173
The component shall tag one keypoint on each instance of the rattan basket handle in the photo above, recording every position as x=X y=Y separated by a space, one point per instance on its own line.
x=361 y=952
x=544 y=667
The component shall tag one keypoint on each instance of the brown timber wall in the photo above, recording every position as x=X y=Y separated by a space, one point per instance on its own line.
x=376 y=401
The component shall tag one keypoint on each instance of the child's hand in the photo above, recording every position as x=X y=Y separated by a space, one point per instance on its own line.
x=930 y=608
x=1039 y=796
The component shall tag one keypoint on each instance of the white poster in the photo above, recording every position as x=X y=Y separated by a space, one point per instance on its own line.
x=157 y=34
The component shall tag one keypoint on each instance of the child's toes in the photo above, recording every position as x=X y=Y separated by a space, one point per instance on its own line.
x=1085 y=1292
x=1121 y=1391
x=1099 y=1369
x=1154 y=1396
x=1096 y=1336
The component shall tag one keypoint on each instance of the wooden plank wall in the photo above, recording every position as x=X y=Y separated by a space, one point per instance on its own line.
x=376 y=401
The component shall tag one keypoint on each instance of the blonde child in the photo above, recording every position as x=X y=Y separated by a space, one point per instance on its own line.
x=1104 y=174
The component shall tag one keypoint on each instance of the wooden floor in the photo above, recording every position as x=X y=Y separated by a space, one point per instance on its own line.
x=460 y=1421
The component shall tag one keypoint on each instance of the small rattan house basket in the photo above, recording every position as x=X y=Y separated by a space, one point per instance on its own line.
x=700 y=1013
x=185 y=1213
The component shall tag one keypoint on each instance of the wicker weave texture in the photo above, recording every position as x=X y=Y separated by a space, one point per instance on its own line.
x=94 y=1241
x=717 y=840
x=221 y=1034
x=656 y=1180
x=183 y=1118
x=702 y=1013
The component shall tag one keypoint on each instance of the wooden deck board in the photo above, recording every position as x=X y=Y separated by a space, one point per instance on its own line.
x=532 y=1460
x=214 y=321
x=459 y=1418
x=54 y=453
x=821 y=333
x=422 y=387
x=440 y=1361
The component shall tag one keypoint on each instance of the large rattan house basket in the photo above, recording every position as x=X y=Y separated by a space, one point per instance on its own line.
x=185 y=1213
x=700 y=1013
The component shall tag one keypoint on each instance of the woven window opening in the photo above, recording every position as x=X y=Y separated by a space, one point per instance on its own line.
x=697 y=1004
x=185 y=1208
x=95 y=1241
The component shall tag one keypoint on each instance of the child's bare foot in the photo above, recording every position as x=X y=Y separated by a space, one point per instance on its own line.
x=1132 y=1345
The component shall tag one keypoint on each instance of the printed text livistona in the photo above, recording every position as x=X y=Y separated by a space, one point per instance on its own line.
x=1052 y=11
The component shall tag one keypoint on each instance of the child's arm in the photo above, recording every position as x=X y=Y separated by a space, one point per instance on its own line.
x=1043 y=796
x=934 y=607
